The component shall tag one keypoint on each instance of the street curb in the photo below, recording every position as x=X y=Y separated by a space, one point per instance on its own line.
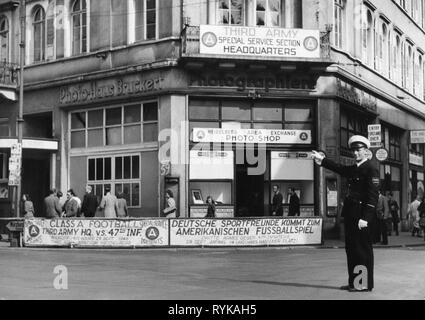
x=377 y=247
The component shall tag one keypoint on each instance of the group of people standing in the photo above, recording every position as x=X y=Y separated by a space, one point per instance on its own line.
x=109 y=207
x=277 y=203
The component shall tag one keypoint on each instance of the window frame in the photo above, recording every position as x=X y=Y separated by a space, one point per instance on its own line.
x=4 y=34
x=83 y=14
x=122 y=125
x=113 y=182
x=41 y=37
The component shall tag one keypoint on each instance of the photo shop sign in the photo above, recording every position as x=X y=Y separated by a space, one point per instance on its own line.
x=260 y=136
x=245 y=232
x=96 y=233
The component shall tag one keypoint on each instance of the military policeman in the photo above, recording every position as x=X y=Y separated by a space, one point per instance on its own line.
x=359 y=211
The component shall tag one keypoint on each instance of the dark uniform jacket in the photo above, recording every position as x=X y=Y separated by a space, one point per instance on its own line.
x=294 y=205
x=89 y=205
x=363 y=184
x=277 y=204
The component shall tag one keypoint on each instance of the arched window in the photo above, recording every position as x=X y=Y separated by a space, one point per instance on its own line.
x=367 y=36
x=268 y=13
x=39 y=29
x=4 y=39
x=383 y=49
x=79 y=27
x=418 y=76
x=397 y=60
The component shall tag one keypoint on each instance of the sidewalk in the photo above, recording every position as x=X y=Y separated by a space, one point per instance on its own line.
x=405 y=239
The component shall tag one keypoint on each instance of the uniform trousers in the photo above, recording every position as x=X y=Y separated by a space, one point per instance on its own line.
x=359 y=250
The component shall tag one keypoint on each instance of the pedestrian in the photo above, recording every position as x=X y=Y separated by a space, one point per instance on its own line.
x=395 y=218
x=383 y=213
x=78 y=200
x=121 y=206
x=277 y=202
x=61 y=198
x=359 y=210
x=52 y=206
x=108 y=204
x=211 y=207
x=294 y=203
x=28 y=207
x=421 y=211
x=90 y=203
x=413 y=215
x=170 y=210
x=71 y=205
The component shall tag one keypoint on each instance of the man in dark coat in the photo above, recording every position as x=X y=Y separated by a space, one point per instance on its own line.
x=52 y=206
x=294 y=204
x=90 y=203
x=359 y=211
x=277 y=203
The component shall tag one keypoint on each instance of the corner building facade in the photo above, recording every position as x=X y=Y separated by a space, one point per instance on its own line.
x=214 y=98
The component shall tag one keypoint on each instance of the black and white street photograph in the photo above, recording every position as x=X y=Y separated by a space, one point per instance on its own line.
x=212 y=156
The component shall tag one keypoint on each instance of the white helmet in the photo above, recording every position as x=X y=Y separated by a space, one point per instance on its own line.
x=357 y=141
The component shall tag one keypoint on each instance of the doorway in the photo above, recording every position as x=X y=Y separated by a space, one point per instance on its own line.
x=249 y=193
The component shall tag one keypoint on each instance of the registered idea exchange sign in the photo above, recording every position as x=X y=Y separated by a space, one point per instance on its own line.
x=96 y=233
x=245 y=232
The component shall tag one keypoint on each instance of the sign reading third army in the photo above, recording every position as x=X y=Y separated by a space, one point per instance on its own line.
x=264 y=42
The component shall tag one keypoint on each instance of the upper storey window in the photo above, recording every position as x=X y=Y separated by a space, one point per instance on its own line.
x=4 y=39
x=230 y=12
x=39 y=28
x=339 y=23
x=143 y=20
x=79 y=27
x=268 y=13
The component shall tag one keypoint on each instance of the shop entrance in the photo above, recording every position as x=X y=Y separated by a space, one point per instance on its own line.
x=36 y=178
x=249 y=193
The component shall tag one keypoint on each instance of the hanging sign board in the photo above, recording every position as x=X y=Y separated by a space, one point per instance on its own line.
x=375 y=137
x=417 y=136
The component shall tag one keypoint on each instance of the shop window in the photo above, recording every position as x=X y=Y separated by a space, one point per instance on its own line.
x=391 y=139
x=352 y=123
x=231 y=114
x=4 y=127
x=236 y=110
x=265 y=112
x=230 y=12
x=129 y=124
x=4 y=39
x=203 y=110
x=120 y=173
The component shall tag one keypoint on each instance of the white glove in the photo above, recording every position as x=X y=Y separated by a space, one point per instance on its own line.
x=317 y=157
x=362 y=224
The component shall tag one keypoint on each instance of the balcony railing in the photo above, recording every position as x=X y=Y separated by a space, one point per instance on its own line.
x=9 y=74
x=191 y=47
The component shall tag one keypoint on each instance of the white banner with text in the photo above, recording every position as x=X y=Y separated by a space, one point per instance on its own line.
x=245 y=232
x=96 y=232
